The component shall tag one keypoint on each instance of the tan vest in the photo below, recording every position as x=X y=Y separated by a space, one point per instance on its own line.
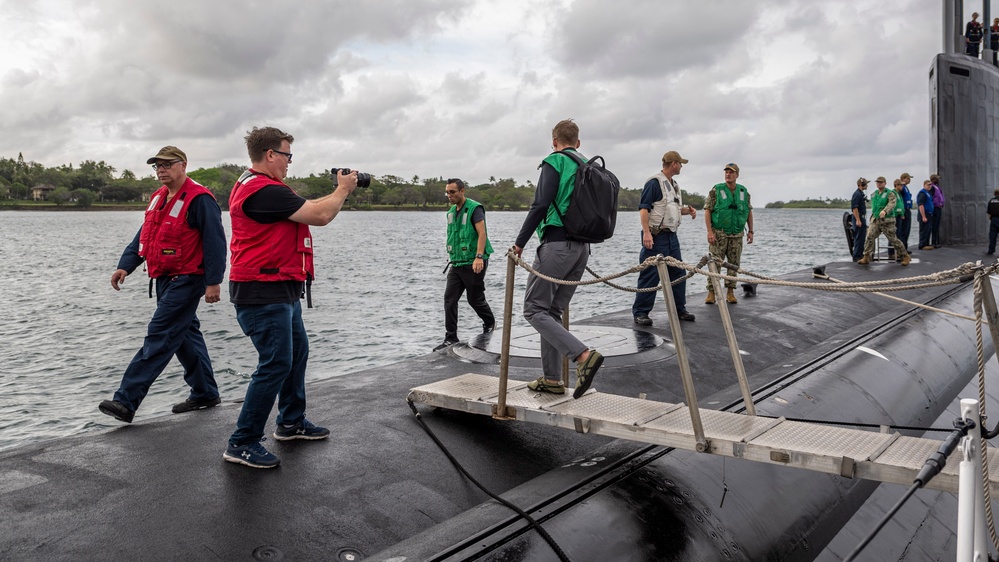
x=665 y=213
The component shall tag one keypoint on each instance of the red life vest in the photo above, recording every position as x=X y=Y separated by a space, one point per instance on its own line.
x=280 y=251
x=169 y=245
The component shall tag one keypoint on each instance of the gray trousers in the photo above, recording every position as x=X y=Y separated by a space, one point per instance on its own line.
x=544 y=302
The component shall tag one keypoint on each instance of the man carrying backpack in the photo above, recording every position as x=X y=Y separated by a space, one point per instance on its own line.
x=660 y=209
x=560 y=258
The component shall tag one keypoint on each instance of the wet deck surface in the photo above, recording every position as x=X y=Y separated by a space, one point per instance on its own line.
x=158 y=489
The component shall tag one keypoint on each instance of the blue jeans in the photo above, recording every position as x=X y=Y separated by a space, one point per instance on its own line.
x=667 y=244
x=278 y=334
x=173 y=330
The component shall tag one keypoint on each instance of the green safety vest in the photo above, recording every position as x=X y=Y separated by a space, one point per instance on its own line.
x=899 y=205
x=462 y=238
x=731 y=209
x=566 y=168
x=881 y=199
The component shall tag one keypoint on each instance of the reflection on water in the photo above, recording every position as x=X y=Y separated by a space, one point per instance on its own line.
x=66 y=336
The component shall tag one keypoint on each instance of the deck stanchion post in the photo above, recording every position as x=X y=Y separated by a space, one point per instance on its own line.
x=565 y=360
x=733 y=345
x=681 y=355
x=511 y=268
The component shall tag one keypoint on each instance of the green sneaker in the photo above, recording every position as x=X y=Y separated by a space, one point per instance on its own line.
x=541 y=385
x=585 y=372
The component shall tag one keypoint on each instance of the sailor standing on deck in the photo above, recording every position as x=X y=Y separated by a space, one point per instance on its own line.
x=727 y=214
x=883 y=202
x=973 y=33
x=660 y=210
x=271 y=266
x=183 y=244
x=924 y=202
x=858 y=206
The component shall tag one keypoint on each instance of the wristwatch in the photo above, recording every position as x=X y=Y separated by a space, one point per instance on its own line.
x=480 y=256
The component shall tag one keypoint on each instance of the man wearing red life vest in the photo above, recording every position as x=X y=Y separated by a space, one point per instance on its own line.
x=183 y=245
x=271 y=265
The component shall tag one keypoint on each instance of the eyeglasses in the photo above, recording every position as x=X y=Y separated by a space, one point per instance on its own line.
x=165 y=165
x=288 y=154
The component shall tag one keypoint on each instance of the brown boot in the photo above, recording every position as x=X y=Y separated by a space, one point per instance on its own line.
x=730 y=296
x=865 y=260
x=906 y=259
x=711 y=298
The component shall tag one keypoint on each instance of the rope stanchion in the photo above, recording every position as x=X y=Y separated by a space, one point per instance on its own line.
x=733 y=345
x=511 y=269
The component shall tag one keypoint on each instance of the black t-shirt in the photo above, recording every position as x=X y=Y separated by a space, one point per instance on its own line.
x=273 y=203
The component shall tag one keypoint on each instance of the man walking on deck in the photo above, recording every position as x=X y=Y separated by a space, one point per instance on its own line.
x=560 y=258
x=883 y=203
x=183 y=245
x=924 y=202
x=469 y=249
x=858 y=206
x=272 y=265
x=660 y=210
x=727 y=213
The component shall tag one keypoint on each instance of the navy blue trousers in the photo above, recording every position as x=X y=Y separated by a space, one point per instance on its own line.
x=173 y=330
x=667 y=244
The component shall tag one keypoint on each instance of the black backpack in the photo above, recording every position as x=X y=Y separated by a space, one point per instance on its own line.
x=592 y=211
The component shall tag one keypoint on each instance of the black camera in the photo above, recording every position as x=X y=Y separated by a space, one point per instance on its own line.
x=363 y=180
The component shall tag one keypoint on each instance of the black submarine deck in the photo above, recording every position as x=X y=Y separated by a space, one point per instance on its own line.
x=158 y=489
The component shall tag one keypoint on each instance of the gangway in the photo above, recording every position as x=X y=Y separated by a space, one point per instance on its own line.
x=852 y=453
x=847 y=452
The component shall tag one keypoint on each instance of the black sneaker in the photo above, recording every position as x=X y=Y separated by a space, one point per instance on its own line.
x=192 y=405
x=116 y=410
x=301 y=430
x=488 y=328
x=686 y=316
x=253 y=455
x=445 y=344
x=643 y=320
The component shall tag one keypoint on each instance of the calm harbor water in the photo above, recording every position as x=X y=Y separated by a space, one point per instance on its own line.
x=66 y=336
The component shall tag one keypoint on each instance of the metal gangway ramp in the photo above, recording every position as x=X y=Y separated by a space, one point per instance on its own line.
x=852 y=453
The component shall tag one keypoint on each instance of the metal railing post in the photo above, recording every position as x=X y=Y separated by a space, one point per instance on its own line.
x=565 y=360
x=511 y=268
x=681 y=355
x=733 y=345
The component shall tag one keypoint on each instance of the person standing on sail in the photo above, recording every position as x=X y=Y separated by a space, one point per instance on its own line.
x=183 y=245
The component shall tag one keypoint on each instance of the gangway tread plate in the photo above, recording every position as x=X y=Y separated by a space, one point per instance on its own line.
x=818 y=447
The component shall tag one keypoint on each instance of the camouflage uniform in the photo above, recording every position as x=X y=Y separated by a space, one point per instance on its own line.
x=884 y=226
x=727 y=246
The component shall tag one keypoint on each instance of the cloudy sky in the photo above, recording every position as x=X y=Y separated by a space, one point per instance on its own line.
x=805 y=96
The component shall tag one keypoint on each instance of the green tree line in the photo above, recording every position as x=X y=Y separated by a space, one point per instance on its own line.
x=827 y=203
x=93 y=182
